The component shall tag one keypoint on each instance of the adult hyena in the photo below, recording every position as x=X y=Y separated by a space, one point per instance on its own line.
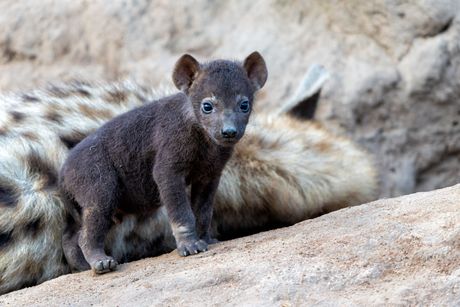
x=286 y=169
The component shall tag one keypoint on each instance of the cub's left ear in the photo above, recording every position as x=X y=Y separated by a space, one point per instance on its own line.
x=256 y=69
x=185 y=71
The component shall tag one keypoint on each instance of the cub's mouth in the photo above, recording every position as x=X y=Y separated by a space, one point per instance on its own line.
x=227 y=142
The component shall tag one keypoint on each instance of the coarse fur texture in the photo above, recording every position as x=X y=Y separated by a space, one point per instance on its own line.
x=37 y=128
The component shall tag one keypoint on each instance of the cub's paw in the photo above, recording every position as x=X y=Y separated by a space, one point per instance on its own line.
x=192 y=247
x=104 y=265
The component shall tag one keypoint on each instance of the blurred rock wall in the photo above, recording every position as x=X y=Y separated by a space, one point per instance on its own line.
x=395 y=65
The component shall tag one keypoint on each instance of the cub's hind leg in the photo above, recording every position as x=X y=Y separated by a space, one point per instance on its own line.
x=96 y=222
x=96 y=194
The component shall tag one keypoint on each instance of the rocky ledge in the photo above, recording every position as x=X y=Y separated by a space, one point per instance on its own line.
x=404 y=250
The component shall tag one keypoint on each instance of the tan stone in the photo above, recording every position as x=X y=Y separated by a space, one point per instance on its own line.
x=401 y=251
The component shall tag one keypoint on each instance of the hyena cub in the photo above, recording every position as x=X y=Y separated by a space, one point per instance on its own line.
x=148 y=157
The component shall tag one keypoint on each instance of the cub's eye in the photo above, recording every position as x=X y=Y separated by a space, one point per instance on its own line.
x=206 y=107
x=244 y=106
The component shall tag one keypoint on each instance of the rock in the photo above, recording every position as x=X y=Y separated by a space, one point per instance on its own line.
x=395 y=65
x=401 y=251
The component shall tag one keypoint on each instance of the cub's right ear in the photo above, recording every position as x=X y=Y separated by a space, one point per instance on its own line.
x=256 y=69
x=185 y=71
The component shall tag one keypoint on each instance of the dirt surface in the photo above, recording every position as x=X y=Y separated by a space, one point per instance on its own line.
x=401 y=251
x=394 y=65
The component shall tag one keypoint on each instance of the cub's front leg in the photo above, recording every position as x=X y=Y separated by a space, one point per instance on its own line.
x=202 y=204
x=173 y=195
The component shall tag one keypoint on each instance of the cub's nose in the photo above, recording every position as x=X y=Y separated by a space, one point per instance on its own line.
x=229 y=133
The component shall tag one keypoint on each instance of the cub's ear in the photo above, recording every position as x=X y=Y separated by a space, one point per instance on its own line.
x=256 y=69
x=185 y=71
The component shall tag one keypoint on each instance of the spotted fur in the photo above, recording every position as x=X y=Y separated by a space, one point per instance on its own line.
x=283 y=171
x=37 y=130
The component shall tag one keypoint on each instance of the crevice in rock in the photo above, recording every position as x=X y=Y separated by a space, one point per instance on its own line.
x=429 y=171
x=447 y=26
x=443 y=29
